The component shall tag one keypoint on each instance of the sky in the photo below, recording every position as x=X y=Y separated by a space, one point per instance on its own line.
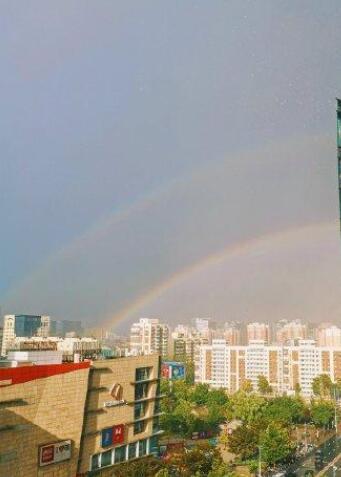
x=146 y=147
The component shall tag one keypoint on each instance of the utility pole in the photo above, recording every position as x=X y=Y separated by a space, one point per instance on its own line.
x=259 y=461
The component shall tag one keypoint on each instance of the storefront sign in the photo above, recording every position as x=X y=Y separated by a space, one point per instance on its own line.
x=54 y=453
x=113 y=435
x=113 y=403
x=116 y=392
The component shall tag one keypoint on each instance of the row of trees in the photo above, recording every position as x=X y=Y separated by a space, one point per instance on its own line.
x=270 y=424
x=263 y=421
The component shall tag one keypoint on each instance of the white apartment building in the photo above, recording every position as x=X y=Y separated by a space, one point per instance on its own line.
x=149 y=336
x=222 y=365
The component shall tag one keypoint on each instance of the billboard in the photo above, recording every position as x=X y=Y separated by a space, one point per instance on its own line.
x=112 y=435
x=173 y=370
x=54 y=453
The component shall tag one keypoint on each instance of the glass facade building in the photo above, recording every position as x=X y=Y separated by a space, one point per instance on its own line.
x=27 y=325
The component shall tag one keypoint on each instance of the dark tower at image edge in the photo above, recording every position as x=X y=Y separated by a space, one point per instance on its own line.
x=338 y=138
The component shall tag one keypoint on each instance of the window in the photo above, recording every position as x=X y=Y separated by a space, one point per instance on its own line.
x=141 y=390
x=132 y=450
x=139 y=427
x=156 y=424
x=106 y=458
x=142 y=447
x=95 y=461
x=141 y=374
x=120 y=454
x=157 y=406
x=154 y=445
x=140 y=410
x=158 y=389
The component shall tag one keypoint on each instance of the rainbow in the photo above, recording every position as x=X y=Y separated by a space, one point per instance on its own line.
x=232 y=250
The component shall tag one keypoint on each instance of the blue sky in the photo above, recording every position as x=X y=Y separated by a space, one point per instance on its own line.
x=106 y=103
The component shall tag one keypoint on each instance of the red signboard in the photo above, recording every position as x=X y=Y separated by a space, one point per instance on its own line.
x=54 y=453
x=165 y=371
x=47 y=454
x=118 y=434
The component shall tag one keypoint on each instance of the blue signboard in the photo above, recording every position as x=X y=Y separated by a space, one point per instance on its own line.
x=107 y=437
x=178 y=371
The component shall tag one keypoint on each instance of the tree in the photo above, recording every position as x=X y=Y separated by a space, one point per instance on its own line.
x=215 y=417
x=180 y=420
x=285 y=410
x=263 y=385
x=322 y=413
x=199 y=395
x=189 y=366
x=147 y=467
x=275 y=444
x=322 y=385
x=245 y=407
x=247 y=386
x=198 y=461
x=181 y=390
x=217 y=397
x=243 y=441
x=219 y=469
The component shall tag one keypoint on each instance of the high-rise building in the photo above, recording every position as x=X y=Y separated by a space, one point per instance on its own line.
x=24 y=325
x=202 y=325
x=149 y=336
x=232 y=335
x=222 y=365
x=292 y=330
x=258 y=332
x=329 y=336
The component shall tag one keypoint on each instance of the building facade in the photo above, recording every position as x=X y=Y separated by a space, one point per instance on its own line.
x=285 y=367
x=41 y=418
x=149 y=336
x=78 y=419
x=258 y=332
x=328 y=336
x=122 y=413
x=292 y=330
